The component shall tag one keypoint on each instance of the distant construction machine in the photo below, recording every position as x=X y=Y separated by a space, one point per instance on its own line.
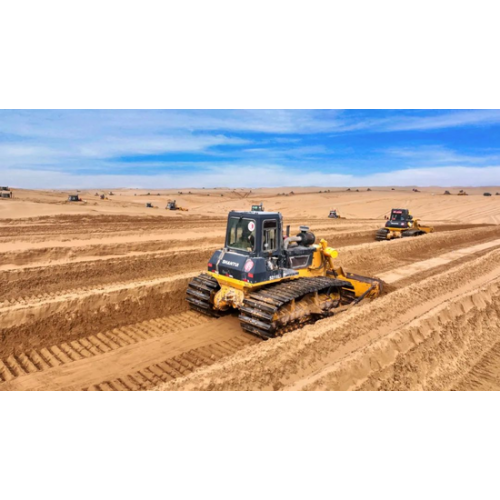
x=6 y=192
x=258 y=208
x=462 y=193
x=334 y=214
x=172 y=205
x=401 y=224
x=74 y=197
x=277 y=282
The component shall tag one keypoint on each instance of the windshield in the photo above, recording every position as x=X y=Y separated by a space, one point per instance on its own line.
x=397 y=215
x=241 y=234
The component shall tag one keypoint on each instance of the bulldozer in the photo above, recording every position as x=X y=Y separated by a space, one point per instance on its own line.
x=6 y=192
x=74 y=197
x=172 y=205
x=401 y=224
x=258 y=208
x=334 y=215
x=462 y=193
x=277 y=282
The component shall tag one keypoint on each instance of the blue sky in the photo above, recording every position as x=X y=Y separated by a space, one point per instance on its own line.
x=249 y=148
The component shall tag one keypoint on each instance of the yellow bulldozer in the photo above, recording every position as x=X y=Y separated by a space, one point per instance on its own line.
x=172 y=205
x=334 y=214
x=6 y=192
x=277 y=282
x=401 y=224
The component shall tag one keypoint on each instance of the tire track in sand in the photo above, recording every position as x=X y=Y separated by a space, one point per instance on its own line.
x=128 y=358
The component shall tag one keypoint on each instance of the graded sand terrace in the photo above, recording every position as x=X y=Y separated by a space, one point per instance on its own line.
x=92 y=294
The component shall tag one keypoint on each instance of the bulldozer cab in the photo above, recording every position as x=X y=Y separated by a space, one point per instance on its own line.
x=73 y=197
x=171 y=205
x=333 y=214
x=400 y=214
x=253 y=250
x=258 y=234
x=258 y=208
x=400 y=217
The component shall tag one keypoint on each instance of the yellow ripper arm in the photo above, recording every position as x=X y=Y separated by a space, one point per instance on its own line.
x=363 y=286
x=328 y=252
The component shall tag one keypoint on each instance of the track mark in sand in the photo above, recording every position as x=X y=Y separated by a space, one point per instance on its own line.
x=148 y=353
x=175 y=367
x=37 y=361
x=485 y=375
x=411 y=269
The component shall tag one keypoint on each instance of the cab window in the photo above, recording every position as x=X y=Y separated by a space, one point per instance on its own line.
x=270 y=236
x=241 y=234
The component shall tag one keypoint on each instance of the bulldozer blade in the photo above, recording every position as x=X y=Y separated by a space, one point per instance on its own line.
x=363 y=287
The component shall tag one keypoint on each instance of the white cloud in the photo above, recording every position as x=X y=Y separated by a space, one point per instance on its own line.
x=50 y=148
x=93 y=124
x=439 y=155
x=66 y=154
x=445 y=119
x=258 y=176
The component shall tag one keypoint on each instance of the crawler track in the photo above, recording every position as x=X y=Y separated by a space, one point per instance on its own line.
x=261 y=311
x=199 y=294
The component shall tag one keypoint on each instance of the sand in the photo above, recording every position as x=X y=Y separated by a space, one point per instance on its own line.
x=92 y=294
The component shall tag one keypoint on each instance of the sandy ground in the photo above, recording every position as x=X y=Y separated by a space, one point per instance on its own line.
x=92 y=294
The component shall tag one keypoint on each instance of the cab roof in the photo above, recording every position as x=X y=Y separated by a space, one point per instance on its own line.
x=247 y=213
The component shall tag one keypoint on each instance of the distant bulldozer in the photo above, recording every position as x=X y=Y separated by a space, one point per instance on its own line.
x=447 y=192
x=401 y=224
x=74 y=197
x=334 y=215
x=172 y=205
x=6 y=192
x=462 y=193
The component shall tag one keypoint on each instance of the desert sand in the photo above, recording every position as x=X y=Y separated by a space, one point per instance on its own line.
x=93 y=293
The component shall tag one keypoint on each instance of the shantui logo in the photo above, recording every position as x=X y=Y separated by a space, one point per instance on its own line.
x=229 y=263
